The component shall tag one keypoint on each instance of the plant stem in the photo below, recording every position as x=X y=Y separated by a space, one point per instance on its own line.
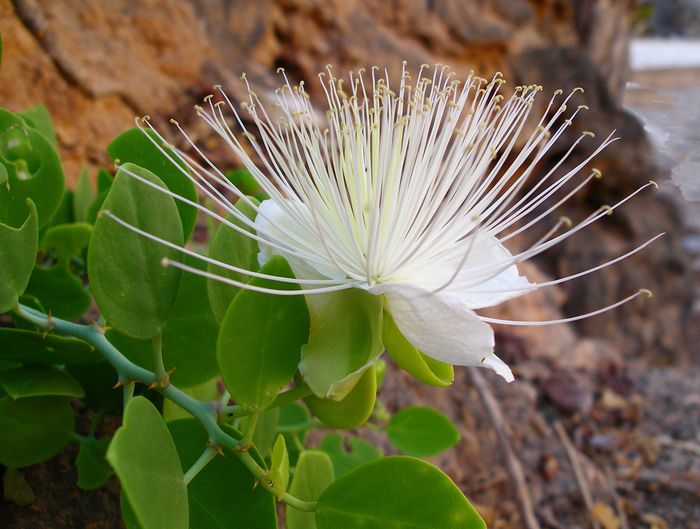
x=203 y=460
x=249 y=430
x=128 y=391
x=128 y=372
x=158 y=366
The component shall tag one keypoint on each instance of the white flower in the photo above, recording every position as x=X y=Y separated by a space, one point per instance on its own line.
x=407 y=194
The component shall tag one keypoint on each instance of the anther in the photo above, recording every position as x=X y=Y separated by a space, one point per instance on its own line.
x=217 y=87
x=583 y=107
x=597 y=173
x=165 y=262
x=648 y=293
x=578 y=89
x=174 y=122
x=146 y=118
x=208 y=97
x=588 y=133
x=558 y=92
x=652 y=182
x=566 y=221
x=607 y=208
x=280 y=70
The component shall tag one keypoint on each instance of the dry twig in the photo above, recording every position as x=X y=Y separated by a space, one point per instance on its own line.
x=572 y=454
x=513 y=464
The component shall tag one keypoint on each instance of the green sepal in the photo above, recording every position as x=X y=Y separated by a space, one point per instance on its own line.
x=411 y=360
x=354 y=410
x=344 y=340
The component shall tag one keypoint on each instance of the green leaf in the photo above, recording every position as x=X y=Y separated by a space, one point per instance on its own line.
x=412 y=360
x=104 y=180
x=97 y=380
x=279 y=465
x=144 y=458
x=133 y=290
x=133 y=146
x=33 y=171
x=398 y=492
x=421 y=431
x=265 y=430
x=294 y=418
x=359 y=452
x=354 y=410
x=204 y=392
x=33 y=429
x=312 y=476
x=189 y=336
x=38 y=117
x=343 y=342
x=18 y=247
x=234 y=248
x=244 y=181
x=260 y=339
x=66 y=240
x=93 y=469
x=60 y=291
x=16 y=488
x=20 y=345
x=224 y=494
x=38 y=381
x=64 y=213
x=83 y=197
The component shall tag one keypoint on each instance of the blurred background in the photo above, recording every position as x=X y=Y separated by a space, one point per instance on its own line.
x=603 y=420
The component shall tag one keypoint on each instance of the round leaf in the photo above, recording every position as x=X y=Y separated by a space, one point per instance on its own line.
x=21 y=345
x=398 y=492
x=224 y=494
x=358 y=453
x=32 y=170
x=133 y=290
x=313 y=474
x=421 y=431
x=92 y=466
x=38 y=381
x=354 y=410
x=234 y=248
x=33 y=429
x=133 y=146
x=260 y=339
x=411 y=360
x=144 y=457
x=18 y=248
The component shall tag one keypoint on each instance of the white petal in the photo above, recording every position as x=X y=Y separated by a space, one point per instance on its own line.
x=473 y=285
x=270 y=217
x=442 y=327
